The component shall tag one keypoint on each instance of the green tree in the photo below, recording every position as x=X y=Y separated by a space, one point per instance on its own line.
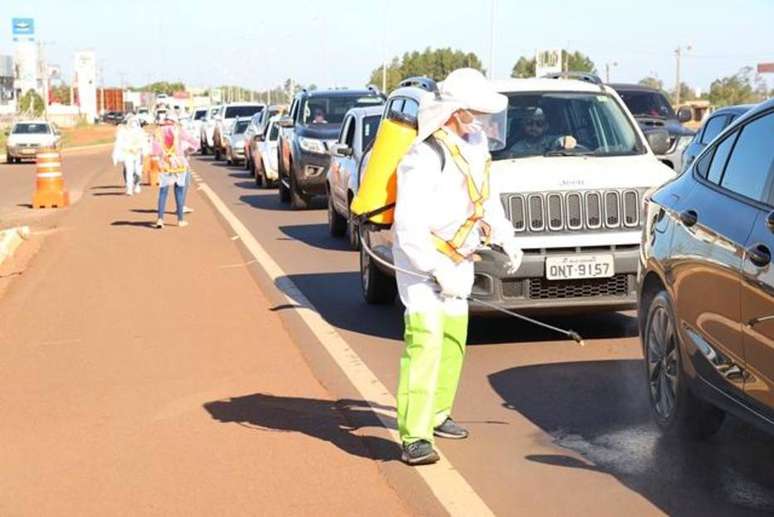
x=572 y=62
x=433 y=63
x=686 y=94
x=523 y=68
x=60 y=93
x=162 y=87
x=652 y=82
x=31 y=103
x=741 y=88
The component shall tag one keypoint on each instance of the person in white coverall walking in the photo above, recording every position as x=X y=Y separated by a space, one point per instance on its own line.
x=130 y=146
x=445 y=211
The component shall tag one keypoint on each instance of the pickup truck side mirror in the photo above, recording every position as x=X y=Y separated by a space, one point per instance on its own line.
x=684 y=114
x=658 y=139
x=285 y=122
x=342 y=150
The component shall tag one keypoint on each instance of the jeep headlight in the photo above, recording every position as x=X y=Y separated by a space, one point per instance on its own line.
x=311 y=145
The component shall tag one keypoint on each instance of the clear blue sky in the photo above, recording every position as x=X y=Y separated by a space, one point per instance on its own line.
x=259 y=43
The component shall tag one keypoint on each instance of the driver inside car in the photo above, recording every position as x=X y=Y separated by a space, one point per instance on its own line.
x=535 y=139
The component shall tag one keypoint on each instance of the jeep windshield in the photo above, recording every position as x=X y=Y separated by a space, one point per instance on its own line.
x=331 y=110
x=647 y=104
x=242 y=111
x=567 y=124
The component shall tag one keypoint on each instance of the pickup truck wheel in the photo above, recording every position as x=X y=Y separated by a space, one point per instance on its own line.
x=677 y=410
x=260 y=182
x=216 y=153
x=353 y=230
x=282 y=190
x=337 y=225
x=297 y=200
x=203 y=148
x=8 y=158
x=378 y=288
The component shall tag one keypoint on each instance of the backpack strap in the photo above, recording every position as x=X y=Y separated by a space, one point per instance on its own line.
x=433 y=143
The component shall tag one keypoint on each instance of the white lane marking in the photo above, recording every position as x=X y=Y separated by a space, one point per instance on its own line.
x=447 y=484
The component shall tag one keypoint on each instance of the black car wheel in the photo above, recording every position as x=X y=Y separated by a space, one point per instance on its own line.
x=260 y=181
x=297 y=200
x=353 y=230
x=678 y=411
x=203 y=148
x=337 y=225
x=378 y=287
x=8 y=158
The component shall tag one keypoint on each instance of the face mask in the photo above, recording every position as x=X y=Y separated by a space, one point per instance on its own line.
x=468 y=123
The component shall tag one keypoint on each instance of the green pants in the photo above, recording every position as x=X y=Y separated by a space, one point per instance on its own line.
x=429 y=372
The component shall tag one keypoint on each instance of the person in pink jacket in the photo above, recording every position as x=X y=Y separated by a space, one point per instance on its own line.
x=171 y=146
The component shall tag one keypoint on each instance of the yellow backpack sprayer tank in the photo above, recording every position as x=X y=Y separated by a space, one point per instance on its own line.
x=375 y=199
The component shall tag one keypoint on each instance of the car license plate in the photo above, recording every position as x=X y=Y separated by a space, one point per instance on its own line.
x=28 y=151
x=579 y=266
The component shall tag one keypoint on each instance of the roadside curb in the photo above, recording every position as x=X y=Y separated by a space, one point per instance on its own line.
x=11 y=239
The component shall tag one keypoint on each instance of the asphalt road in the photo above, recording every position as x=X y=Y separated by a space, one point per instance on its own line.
x=555 y=428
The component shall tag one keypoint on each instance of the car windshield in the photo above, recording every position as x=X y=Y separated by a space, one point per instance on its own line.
x=30 y=129
x=240 y=126
x=370 y=125
x=331 y=110
x=242 y=111
x=548 y=124
x=647 y=104
x=199 y=114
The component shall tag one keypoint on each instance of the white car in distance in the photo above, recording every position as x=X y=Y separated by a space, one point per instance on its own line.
x=27 y=136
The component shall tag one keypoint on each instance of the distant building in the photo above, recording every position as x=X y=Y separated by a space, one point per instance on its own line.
x=7 y=95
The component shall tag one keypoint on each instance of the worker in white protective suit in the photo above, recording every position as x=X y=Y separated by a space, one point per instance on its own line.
x=130 y=146
x=445 y=211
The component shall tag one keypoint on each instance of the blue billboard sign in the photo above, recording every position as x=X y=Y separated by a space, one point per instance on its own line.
x=23 y=26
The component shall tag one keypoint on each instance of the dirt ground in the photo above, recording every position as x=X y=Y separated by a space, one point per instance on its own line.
x=88 y=135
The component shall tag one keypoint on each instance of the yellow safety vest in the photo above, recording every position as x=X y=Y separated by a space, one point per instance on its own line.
x=451 y=247
x=170 y=162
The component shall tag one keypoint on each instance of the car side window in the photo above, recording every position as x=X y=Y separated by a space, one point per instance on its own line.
x=712 y=128
x=720 y=157
x=345 y=130
x=350 y=135
x=751 y=161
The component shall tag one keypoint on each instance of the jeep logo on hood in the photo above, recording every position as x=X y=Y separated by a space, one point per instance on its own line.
x=572 y=183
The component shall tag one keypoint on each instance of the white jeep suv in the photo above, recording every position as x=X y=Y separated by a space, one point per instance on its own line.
x=225 y=118
x=575 y=203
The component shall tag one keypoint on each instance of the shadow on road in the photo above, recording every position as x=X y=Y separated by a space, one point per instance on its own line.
x=264 y=201
x=327 y=420
x=103 y=187
x=141 y=224
x=122 y=193
x=337 y=297
x=315 y=235
x=600 y=411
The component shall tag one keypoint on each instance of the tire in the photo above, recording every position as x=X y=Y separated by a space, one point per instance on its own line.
x=353 y=230
x=203 y=148
x=337 y=225
x=677 y=410
x=260 y=181
x=229 y=159
x=284 y=193
x=8 y=158
x=297 y=200
x=216 y=153
x=378 y=288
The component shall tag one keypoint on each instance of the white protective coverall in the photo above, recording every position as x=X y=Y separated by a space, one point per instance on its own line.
x=436 y=201
x=130 y=146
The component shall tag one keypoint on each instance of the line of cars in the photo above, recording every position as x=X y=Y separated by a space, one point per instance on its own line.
x=640 y=213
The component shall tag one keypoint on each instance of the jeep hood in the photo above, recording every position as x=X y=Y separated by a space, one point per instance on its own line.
x=567 y=173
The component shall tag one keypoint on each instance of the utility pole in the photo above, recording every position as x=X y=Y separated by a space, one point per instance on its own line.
x=490 y=72
x=678 y=58
x=607 y=70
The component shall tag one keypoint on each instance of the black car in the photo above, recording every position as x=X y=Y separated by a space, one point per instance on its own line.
x=307 y=134
x=652 y=110
x=717 y=122
x=706 y=291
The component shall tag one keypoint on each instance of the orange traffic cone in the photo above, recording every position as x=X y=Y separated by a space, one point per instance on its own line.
x=50 y=191
x=151 y=169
